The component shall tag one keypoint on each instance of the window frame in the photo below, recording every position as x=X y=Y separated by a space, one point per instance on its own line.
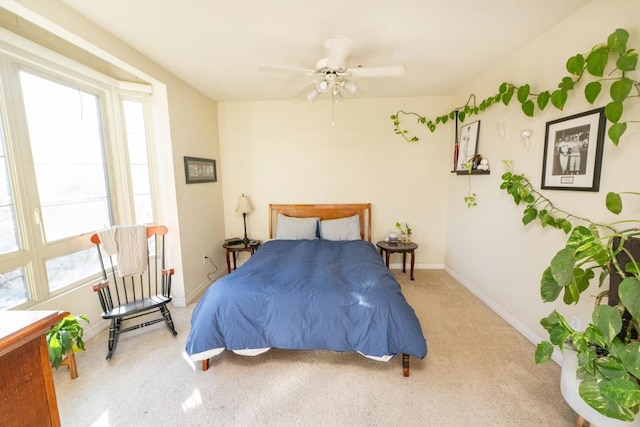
x=16 y=54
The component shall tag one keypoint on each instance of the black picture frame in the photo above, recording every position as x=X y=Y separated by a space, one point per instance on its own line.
x=573 y=152
x=468 y=144
x=197 y=170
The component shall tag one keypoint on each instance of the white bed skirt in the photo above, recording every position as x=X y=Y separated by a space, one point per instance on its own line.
x=256 y=351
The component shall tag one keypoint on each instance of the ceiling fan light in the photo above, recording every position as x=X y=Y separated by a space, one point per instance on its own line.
x=322 y=85
x=311 y=96
x=350 y=87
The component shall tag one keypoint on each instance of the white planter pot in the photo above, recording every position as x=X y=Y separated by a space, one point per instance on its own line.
x=569 y=387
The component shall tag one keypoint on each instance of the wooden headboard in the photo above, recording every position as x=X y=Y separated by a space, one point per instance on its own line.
x=323 y=212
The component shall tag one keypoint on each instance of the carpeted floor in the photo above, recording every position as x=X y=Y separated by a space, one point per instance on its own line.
x=478 y=372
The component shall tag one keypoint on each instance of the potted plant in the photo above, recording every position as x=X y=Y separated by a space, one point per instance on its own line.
x=64 y=339
x=608 y=350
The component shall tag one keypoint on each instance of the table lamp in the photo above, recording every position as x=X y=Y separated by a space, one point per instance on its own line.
x=244 y=207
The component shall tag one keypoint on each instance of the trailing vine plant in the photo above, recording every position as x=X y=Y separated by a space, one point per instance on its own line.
x=592 y=65
x=608 y=350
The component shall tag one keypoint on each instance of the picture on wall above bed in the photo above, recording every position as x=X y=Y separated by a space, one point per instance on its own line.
x=573 y=152
x=468 y=145
x=197 y=170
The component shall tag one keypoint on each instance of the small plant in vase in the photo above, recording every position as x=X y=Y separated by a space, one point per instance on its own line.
x=405 y=232
x=64 y=339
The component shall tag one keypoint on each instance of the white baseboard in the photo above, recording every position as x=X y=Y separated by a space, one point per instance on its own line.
x=199 y=290
x=527 y=332
x=418 y=266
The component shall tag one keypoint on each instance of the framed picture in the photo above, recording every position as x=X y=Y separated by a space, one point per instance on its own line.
x=468 y=144
x=573 y=152
x=199 y=170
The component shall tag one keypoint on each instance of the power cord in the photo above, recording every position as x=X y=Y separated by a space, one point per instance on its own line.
x=210 y=275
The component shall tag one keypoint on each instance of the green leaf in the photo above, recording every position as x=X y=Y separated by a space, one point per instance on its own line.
x=523 y=93
x=571 y=293
x=566 y=84
x=629 y=291
x=611 y=368
x=616 y=131
x=528 y=107
x=549 y=288
x=503 y=88
x=559 y=98
x=575 y=64
x=562 y=266
x=630 y=357
x=530 y=213
x=620 y=89
x=613 y=111
x=543 y=99
x=622 y=391
x=544 y=351
x=628 y=61
x=597 y=60
x=582 y=278
x=506 y=97
x=592 y=90
x=461 y=116
x=632 y=267
x=559 y=335
x=614 y=202
x=608 y=321
x=590 y=392
x=617 y=41
x=564 y=225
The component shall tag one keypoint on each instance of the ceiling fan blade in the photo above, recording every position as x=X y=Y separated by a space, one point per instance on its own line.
x=307 y=71
x=337 y=51
x=389 y=71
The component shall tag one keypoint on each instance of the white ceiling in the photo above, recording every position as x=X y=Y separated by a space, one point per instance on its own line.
x=218 y=46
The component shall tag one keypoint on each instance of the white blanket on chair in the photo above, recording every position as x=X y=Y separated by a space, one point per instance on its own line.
x=129 y=243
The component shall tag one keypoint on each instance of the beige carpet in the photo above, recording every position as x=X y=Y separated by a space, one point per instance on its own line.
x=478 y=372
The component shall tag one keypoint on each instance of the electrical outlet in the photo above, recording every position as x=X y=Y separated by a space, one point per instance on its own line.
x=576 y=323
x=204 y=259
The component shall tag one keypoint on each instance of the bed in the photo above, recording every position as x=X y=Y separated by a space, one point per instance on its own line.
x=317 y=283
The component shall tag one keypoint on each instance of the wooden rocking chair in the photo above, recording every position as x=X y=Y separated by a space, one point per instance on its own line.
x=130 y=297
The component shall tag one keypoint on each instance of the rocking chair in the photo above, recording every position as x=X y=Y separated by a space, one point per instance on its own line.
x=136 y=295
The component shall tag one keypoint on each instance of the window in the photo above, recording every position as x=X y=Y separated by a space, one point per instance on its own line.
x=66 y=146
x=68 y=167
x=137 y=143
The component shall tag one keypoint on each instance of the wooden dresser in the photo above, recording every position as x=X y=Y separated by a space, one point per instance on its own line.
x=28 y=395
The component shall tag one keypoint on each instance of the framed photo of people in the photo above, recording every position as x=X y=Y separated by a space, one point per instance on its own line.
x=573 y=152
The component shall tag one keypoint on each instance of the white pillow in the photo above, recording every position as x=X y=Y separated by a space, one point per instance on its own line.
x=292 y=228
x=341 y=229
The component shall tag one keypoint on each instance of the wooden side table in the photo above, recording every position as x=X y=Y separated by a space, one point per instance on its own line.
x=232 y=251
x=387 y=248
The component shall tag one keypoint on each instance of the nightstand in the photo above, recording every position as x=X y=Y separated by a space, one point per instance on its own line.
x=232 y=251
x=387 y=248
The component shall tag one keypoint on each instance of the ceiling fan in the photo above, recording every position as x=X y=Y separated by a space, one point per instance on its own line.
x=331 y=74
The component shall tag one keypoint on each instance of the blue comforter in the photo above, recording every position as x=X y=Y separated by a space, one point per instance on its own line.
x=308 y=294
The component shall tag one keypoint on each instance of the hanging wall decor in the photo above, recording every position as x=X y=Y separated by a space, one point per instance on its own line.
x=573 y=152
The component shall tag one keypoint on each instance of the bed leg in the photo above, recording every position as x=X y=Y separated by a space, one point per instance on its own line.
x=205 y=364
x=405 y=364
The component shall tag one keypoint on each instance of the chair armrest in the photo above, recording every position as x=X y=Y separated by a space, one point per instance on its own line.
x=103 y=284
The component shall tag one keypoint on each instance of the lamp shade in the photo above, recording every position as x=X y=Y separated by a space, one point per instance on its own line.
x=244 y=205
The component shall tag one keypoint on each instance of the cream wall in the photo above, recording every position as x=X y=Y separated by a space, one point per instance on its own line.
x=288 y=152
x=187 y=125
x=487 y=247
